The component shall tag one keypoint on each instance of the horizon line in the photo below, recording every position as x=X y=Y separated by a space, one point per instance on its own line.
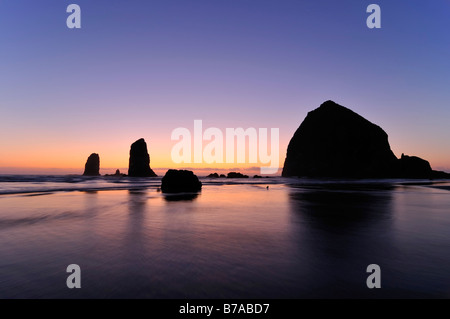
x=12 y=170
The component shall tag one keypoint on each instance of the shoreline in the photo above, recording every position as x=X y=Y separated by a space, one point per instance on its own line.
x=48 y=184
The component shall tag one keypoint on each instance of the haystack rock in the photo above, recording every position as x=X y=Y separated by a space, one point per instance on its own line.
x=139 y=165
x=178 y=181
x=92 y=167
x=334 y=141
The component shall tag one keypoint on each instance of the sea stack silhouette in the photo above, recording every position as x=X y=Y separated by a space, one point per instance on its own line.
x=178 y=181
x=335 y=142
x=92 y=167
x=139 y=164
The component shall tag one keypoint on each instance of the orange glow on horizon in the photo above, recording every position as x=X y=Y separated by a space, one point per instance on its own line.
x=73 y=156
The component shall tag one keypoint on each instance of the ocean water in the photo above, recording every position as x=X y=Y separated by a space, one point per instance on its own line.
x=235 y=239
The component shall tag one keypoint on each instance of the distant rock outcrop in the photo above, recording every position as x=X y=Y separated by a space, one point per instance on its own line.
x=139 y=165
x=413 y=167
x=439 y=175
x=213 y=175
x=178 y=181
x=334 y=141
x=92 y=167
x=236 y=175
x=117 y=174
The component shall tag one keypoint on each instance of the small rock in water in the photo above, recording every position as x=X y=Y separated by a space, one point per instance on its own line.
x=236 y=175
x=178 y=181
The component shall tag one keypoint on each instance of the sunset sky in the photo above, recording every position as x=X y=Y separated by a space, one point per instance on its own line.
x=140 y=69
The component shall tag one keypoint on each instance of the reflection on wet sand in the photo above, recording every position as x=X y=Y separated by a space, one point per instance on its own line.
x=334 y=208
x=233 y=241
x=341 y=230
x=180 y=197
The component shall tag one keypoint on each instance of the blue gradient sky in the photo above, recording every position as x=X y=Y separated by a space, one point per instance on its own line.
x=143 y=68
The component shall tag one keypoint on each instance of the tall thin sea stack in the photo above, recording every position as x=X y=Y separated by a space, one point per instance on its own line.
x=92 y=166
x=139 y=164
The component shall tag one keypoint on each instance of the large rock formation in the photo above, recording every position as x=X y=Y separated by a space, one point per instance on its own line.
x=334 y=141
x=177 y=181
x=139 y=165
x=92 y=167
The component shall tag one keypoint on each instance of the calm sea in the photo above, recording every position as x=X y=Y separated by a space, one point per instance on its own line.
x=236 y=239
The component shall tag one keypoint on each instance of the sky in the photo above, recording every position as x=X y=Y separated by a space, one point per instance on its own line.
x=140 y=69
